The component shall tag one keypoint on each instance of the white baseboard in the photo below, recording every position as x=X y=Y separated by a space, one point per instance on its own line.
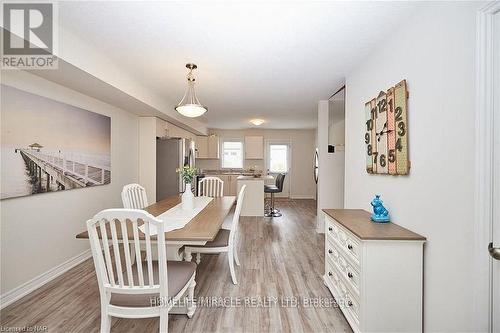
x=320 y=223
x=13 y=295
x=302 y=197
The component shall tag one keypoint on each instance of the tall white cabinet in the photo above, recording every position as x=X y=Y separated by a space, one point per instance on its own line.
x=207 y=147
x=374 y=271
x=254 y=147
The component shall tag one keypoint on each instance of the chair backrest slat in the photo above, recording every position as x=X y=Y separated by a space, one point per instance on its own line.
x=134 y=196
x=148 y=254
x=126 y=250
x=116 y=252
x=237 y=213
x=107 y=254
x=126 y=244
x=138 y=257
x=211 y=187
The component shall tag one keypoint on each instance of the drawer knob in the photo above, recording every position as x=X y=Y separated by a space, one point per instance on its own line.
x=349 y=246
x=330 y=251
x=330 y=274
x=349 y=274
x=349 y=303
x=330 y=229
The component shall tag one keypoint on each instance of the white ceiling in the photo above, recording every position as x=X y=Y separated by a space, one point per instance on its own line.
x=271 y=61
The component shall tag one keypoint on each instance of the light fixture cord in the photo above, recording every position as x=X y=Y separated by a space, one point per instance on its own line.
x=190 y=92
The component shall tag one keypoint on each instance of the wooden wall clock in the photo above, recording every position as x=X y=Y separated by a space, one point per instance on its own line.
x=386 y=132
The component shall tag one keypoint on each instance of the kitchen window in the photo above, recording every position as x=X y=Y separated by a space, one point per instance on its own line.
x=278 y=158
x=232 y=154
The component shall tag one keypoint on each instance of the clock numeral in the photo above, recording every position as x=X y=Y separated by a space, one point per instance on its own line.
x=375 y=154
x=369 y=125
x=399 y=146
x=402 y=128
x=382 y=105
x=383 y=161
x=367 y=138
x=369 y=150
x=392 y=155
x=399 y=114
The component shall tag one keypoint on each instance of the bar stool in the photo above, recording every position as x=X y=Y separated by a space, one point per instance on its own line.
x=278 y=188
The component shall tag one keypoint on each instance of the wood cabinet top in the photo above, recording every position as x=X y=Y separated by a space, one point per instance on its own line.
x=359 y=223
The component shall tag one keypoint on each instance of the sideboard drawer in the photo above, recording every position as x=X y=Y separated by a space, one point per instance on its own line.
x=343 y=296
x=332 y=274
x=348 y=303
x=349 y=272
x=352 y=306
x=344 y=239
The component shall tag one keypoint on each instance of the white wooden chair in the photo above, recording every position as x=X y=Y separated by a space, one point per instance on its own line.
x=144 y=289
x=211 y=187
x=225 y=241
x=134 y=196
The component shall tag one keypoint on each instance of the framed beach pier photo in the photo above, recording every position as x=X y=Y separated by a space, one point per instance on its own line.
x=49 y=146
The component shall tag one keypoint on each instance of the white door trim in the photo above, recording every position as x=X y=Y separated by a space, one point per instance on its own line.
x=484 y=168
x=267 y=154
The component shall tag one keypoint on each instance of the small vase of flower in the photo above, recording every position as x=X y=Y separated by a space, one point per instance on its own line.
x=187 y=174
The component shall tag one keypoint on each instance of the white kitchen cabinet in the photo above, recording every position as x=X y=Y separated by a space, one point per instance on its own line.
x=254 y=147
x=227 y=180
x=201 y=144
x=230 y=183
x=207 y=147
x=234 y=184
x=213 y=146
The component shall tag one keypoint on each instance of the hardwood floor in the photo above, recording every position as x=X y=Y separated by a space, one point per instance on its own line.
x=280 y=258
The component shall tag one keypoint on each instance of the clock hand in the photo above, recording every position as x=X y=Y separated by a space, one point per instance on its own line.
x=382 y=133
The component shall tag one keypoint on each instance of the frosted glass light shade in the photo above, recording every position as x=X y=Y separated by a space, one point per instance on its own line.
x=191 y=110
x=257 y=122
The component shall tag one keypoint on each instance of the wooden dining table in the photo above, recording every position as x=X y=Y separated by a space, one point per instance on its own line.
x=201 y=229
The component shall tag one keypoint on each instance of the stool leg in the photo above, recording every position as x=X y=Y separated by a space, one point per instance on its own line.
x=275 y=212
x=269 y=209
x=272 y=202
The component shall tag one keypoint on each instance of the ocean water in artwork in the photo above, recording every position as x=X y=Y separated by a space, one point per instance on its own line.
x=15 y=179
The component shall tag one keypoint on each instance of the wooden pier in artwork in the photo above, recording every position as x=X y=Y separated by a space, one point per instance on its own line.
x=65 y=172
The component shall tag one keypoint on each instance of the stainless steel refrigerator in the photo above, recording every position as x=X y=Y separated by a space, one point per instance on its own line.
x=172 y=154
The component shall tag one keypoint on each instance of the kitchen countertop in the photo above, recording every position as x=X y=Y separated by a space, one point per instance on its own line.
x=255 y=178
x=230 y=172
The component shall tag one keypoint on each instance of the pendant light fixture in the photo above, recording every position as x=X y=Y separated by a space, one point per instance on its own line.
x=189 y=105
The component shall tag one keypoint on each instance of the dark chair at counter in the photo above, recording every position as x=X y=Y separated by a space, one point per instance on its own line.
x=271 y=211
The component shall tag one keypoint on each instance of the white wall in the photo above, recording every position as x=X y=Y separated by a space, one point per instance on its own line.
x=147 y=156
x=331 y=165
x=303 y=145
x=434 y=52
x=38 y=232
x=336 y=129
